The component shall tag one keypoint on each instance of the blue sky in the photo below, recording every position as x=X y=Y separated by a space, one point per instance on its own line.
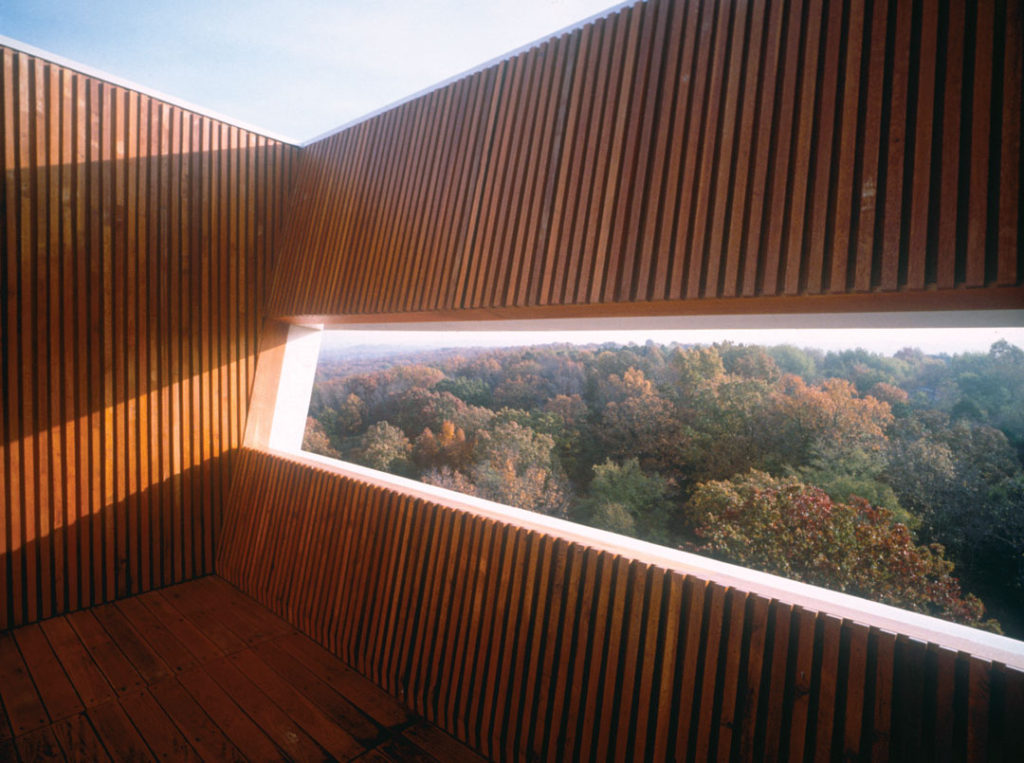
x=296 y=68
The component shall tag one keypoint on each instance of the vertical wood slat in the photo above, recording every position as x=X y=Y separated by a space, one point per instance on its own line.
x=107 y=199
x=526 y=646
x=681 y=149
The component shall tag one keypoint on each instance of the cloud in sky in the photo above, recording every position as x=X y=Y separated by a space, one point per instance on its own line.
x=293 y=67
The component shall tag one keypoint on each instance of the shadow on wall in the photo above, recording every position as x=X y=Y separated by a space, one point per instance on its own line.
x=118 y=500
x=161 y=534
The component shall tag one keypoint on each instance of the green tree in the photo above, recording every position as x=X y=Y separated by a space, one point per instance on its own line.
x=963 y=480
x=990 y=390
x=727 y=423
x=855 y=473
x=623 y=499
x=384 y=447
x=469 y=390
x=793 y=360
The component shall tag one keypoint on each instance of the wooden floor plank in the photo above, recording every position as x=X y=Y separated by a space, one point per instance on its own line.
x=267 y=624
x=375 y=756
x=200 y=731
x=142 y=656
x=229 y=717
x=78 y=739
x=287 y=734
x=369 y=697
x=37 y=745
x=402 y=750
x=157 y=636
x=8 y=750
x=171 y=675
x=155 y=727
x=58 y=695
x=118 y=670
x=327 y=734
x=5 y=723
x=329 y=701
x=203 y=649
x=249 y=627
x=22 y=702
x=442 y=746
x=205 y=618
x=117 y=733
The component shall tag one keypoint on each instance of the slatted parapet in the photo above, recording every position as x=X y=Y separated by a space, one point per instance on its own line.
x=136 y=244
x=680 y=151
x=531 y=646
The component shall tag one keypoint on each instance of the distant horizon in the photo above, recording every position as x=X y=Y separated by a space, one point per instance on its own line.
x=931 y=341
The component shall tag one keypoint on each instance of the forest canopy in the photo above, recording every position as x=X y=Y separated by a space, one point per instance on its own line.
x=898 y=478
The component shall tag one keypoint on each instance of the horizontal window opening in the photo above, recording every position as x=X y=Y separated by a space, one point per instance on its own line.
x=880 y=462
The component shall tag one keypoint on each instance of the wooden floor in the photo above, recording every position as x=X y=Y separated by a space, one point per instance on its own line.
x=196 y=671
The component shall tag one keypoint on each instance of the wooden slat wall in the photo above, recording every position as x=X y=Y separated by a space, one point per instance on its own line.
x=683 y=149
x=137 y=244
x=528 y=647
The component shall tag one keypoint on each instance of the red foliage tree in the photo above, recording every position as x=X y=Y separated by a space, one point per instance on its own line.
x=788 y=528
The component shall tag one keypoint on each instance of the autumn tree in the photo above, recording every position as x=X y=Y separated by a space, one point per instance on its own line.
x=637 y=421
x=515 y=466
x=830 y=416
x=788 y=528
x=417 y=409
x=380 y=391
x=524 y=391
x=450 y=479
x=749 y=361
x=449 y=447
x=315 y=440
x=569 y=408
